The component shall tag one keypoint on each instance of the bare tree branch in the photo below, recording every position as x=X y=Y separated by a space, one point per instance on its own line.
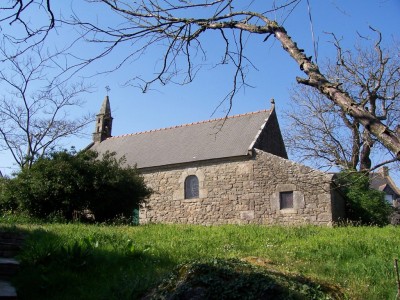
x=178 y=27
x=17 y=13
x=363 y=74
x=34 y=112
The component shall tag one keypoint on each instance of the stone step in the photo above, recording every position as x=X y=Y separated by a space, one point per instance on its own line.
x=8 y=250
x=18 y=241
x=10 y=244
x=7 y=291
x=11 y=235
x=8 y=267
x=12 y=241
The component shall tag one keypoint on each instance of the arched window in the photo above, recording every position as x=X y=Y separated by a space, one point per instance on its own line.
x=191 y=187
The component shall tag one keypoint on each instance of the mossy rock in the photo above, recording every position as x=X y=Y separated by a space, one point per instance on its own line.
x=236 y=279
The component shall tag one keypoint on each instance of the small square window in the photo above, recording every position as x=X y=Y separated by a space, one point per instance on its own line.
x=286 y=200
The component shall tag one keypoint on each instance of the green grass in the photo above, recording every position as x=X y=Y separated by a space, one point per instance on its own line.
x=78 y=261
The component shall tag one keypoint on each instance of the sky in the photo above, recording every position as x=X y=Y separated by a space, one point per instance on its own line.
x=272 y=76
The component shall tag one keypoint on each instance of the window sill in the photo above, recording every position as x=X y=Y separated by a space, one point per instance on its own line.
x=288 y=211
x=191 y=200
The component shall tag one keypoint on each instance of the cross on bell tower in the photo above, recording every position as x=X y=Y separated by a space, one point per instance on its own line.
x=103 y=122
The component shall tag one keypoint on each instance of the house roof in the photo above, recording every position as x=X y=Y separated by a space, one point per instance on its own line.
x=218 y=138
x=381 y=181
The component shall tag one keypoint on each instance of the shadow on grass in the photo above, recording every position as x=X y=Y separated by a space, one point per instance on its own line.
x=51 y=269
x=13 y=230
x=55 y=267
x=236 y=279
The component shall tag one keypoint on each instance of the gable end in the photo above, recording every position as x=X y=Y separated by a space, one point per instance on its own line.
x=270 y=137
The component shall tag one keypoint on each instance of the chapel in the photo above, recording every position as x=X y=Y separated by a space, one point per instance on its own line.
x=232 y=170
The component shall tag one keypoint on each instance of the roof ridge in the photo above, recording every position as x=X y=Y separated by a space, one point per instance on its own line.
x=190 y=124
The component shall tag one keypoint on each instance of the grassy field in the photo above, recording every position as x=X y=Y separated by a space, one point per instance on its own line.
x=78 y=261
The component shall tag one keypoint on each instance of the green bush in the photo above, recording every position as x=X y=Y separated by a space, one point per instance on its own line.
x=64 y=183
x=8 y=203
x=364 y=205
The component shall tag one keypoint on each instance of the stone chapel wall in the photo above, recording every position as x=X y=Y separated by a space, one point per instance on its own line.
x=239 y=192
x=312 y=198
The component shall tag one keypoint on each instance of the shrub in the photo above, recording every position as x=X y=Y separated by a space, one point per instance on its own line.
x=66 y=182
x=364 y=205
x=8 y=203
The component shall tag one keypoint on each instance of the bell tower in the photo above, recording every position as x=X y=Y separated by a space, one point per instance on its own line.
x=103 y=122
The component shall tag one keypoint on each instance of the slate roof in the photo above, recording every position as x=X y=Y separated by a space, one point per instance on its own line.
x=219 y=138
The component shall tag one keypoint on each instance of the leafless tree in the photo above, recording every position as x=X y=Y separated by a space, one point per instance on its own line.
x=322 y=132
x=34 y=111
x=178 y=28
x=316 y=133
